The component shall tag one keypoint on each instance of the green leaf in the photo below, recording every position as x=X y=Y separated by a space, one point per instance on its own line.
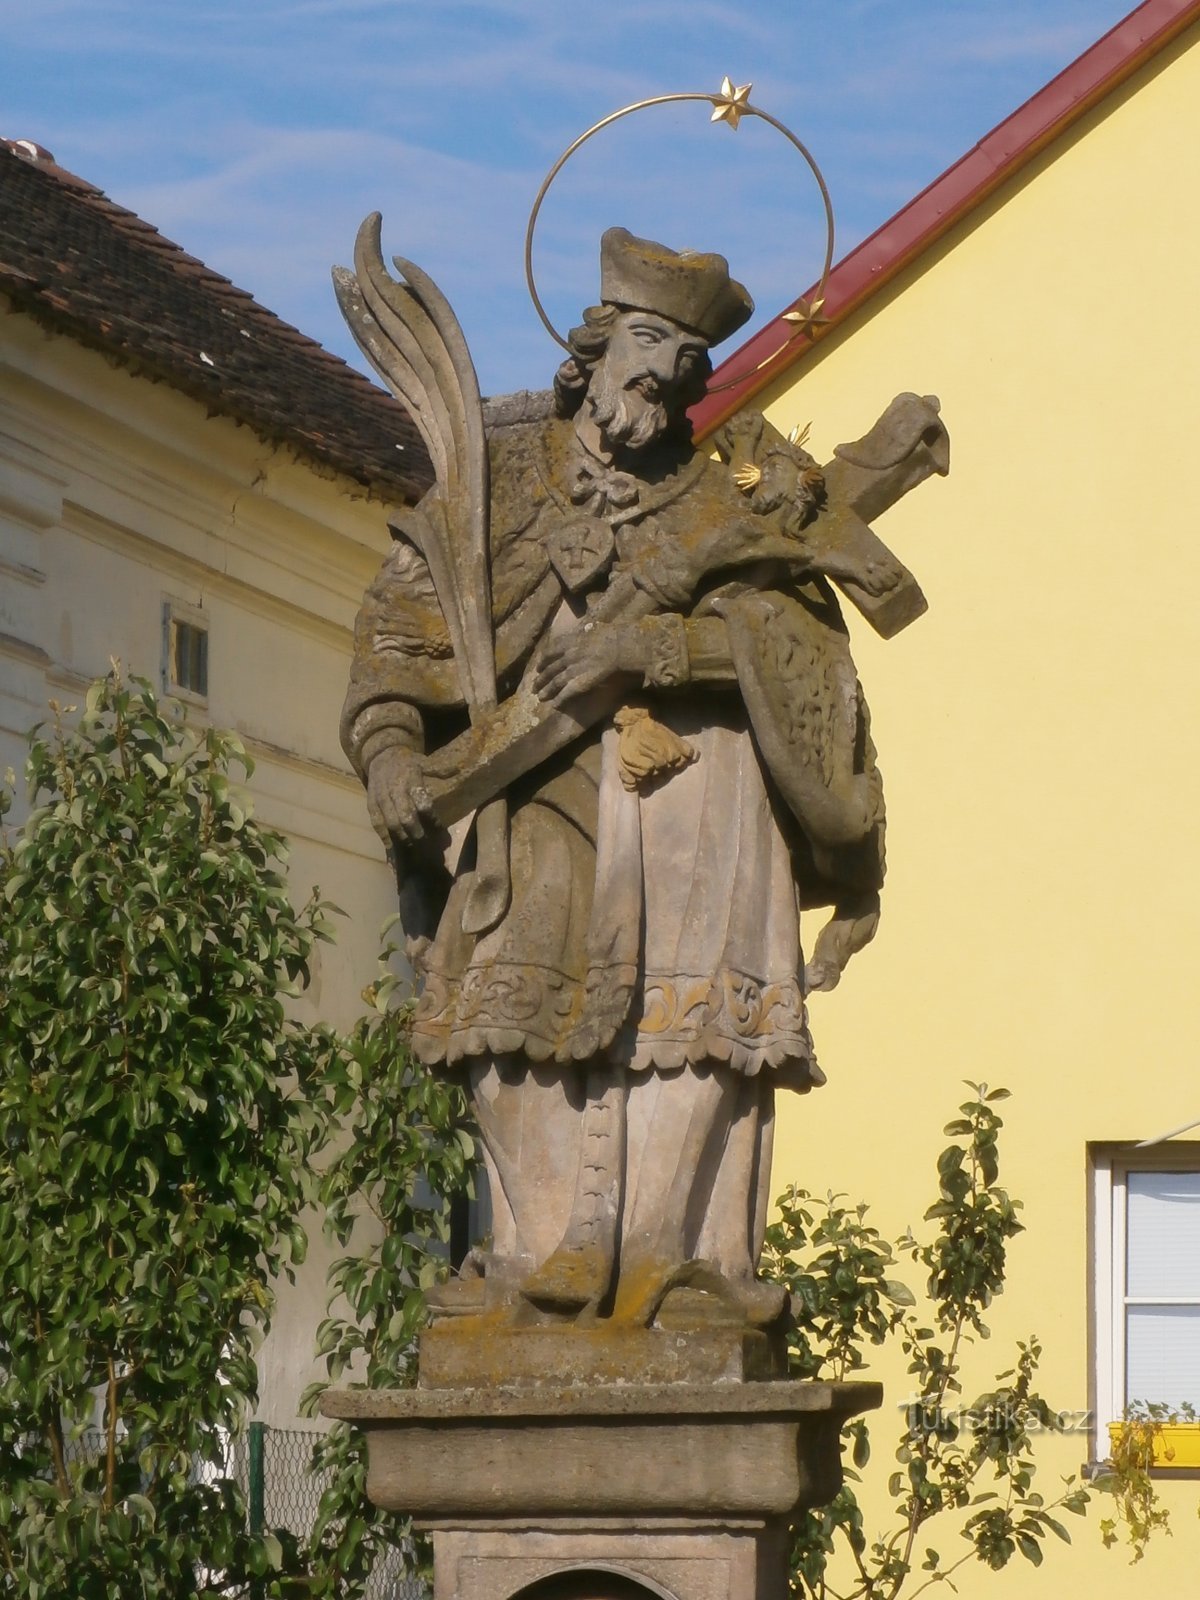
x=950 y=1160
x=1029 y=1548
x=898 y=1293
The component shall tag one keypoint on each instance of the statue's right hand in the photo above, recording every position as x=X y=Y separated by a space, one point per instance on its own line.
x=397 y=798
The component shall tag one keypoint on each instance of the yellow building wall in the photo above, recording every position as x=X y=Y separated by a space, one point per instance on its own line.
x=1038 y=736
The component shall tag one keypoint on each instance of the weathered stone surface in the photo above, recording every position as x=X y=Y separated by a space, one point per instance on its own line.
x=460 y=1354
x=570 y=1562
x=525 y=730
x=637 y=1450
x=626 y=662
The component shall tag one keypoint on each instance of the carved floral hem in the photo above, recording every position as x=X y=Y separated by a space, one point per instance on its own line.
x=542 y=1013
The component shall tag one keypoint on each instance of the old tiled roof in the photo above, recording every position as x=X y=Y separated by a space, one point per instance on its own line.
x=86 y=267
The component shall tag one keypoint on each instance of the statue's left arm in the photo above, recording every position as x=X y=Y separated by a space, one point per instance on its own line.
x=664 y=651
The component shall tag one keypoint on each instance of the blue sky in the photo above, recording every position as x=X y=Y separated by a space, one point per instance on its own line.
x=258 y=134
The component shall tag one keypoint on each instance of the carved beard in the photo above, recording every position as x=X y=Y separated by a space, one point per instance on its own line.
x=624 y=415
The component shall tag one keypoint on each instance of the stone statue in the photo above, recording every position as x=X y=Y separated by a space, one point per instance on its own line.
x=605 y=710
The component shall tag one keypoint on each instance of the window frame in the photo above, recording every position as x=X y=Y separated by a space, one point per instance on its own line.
x=174 y=613
x=1110 y=1168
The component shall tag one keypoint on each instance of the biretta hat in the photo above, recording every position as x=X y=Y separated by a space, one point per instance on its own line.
x=691 y=289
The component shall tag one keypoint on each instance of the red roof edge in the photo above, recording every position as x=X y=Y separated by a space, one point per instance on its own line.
x=962 y=187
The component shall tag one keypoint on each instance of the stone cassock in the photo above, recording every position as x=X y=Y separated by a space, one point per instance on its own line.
x=626 y=1009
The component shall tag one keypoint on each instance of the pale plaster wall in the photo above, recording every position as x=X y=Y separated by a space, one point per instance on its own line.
x=117 y=494
x=1037 y=730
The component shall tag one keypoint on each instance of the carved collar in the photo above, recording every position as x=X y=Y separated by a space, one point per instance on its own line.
x=577 y=480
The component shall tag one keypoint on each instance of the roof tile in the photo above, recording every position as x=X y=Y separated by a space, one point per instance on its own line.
x=89 y=268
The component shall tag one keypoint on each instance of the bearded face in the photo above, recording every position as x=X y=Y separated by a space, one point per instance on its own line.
x=630 y=414
x=644 y=381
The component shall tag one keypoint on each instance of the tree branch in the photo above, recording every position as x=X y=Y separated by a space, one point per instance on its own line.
x=915 y=1515
x=944 y=1575
x=54 y=1427
x=868 y=1582
x=110 y=1406
x=110 y=1442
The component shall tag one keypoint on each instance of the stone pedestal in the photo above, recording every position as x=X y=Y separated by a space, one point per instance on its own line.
x=455 y=1356
x=675 y=1490
x=613 y=1561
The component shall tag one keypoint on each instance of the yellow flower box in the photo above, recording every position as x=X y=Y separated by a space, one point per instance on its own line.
x=1176 y=1444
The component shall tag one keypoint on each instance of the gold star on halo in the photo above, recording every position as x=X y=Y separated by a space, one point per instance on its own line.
x=731 y=104
x=806 y=318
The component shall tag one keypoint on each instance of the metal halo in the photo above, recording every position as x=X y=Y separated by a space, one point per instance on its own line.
x=730 y=105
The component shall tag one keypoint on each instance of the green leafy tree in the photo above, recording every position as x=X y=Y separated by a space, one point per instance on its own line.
x=406 y=1155
x=968 y=1465
x=154 y=1152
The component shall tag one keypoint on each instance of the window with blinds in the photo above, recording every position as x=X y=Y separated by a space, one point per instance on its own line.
x=1160 y=1311
x=1146 y=1303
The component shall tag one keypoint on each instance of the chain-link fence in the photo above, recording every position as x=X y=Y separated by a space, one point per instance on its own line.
x=273 y=1467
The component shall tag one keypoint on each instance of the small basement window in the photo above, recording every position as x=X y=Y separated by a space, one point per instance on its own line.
x=185 y=652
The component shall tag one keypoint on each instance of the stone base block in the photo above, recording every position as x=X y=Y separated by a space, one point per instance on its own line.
x=462 y=1353
x=626 y=1450
x=718 y=1561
